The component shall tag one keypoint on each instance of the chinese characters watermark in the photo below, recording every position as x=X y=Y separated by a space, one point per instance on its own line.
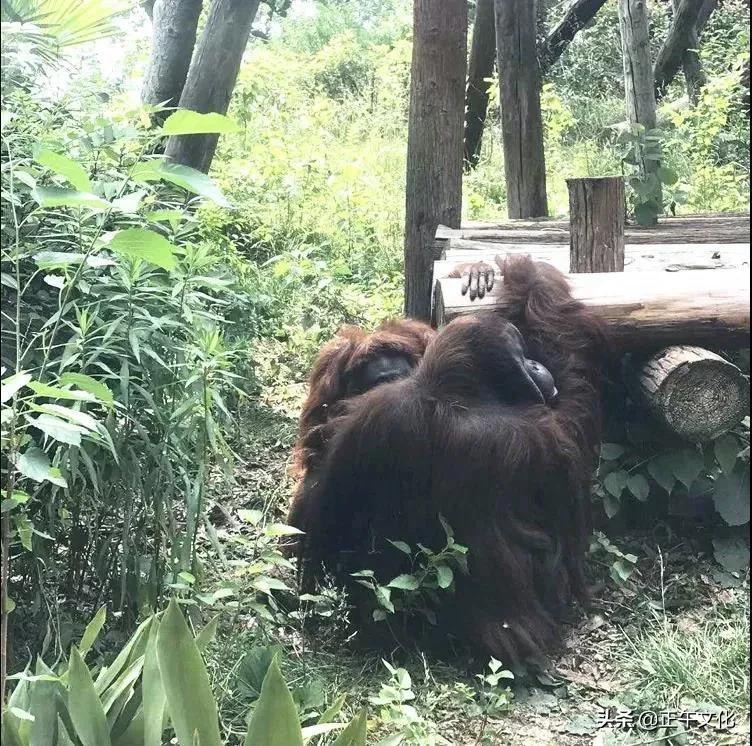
x=622 y=718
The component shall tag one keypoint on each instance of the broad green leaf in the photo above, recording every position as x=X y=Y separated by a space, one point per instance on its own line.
x=186 y=122
x=190 y=700
x=87 y=383
x=85 y=709
x=193 y=181
x=280 y=529
x=93 y=628
x=731 y=552
x=687 y=465
x=639 y=487
x=10 y=732
x=612 y=451
x=55 y=392
x=445 y=576
x=355 y=733
x=320 y=729
x=138 y=243
x=134 y=648
x=275 y=718
x=25 y=531
x=11 y=385
x=43 y=703
x=401 y=546
x=405 y=583
x=66 y=167
x=660 y=469
x=58 y=197
x=333 y=710
x=34 y=464
x=731 y=497
x=611 y=505
x=667 y=175
x=154 y=695
x=60 y=430
x=726 y=452
x=207 y=634
x=17 y=498
x=616 y=482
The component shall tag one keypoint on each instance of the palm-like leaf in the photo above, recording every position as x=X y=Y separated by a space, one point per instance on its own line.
x=67 y=22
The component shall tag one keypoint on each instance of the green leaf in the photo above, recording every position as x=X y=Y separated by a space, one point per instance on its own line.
x=731 y=553
x=58 y=197
x=186 y=122
x=405 y=583
x=66 y=167
x=154 y=698
x=192 y=180
x=10 y=732
x=44 y=703
x=17 y=498
x=333 y=710
x=34 y=464
x=660 y=469
x=402 y=546
x=207 y=634
x=60 y=430
x=86 y=711
x=445 y=576
x=55 y=392
x=12 y=384
x=280 y=529
x=25 y=531
x=612 y=451
x=611 y=505
x=726 y=452
x=275 y=718
x=355 y=733
x=89 y=384
x=616 y=483
x=639 y=487
x=687 y=465
x=731 y=497
x=667 y=175
x=138 y=243
x=93 y=628
x=190 y=700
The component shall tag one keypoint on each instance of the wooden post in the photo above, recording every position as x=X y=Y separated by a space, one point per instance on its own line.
x=521 y=118
x=694 y=393
x=435 y=148
x=639 y=80
x=596 y=215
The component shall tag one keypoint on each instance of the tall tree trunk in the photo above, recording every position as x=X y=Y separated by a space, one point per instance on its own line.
x=579 y=14
x=682 y=37
x=212 y=76
x=704 y=15
x=482 y=60
x=434 y=149
x=694 y=73
x=174 y=37
x=634 y=24
x=521 y=118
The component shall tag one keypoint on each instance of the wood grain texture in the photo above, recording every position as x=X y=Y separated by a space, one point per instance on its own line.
x=521 y=118
x=692 y=392
x=597 y=207
x=435 y=140
x=643 y=310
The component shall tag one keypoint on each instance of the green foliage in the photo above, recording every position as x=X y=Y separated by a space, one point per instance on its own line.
x=418 y=592
x=158 y=681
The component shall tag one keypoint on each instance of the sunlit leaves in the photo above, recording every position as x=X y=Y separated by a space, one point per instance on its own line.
x=138 y=243
x=186 y=122
x=60 y=197
x=66 y=167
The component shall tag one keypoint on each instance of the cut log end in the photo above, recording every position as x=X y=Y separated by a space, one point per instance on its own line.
x=695 y=393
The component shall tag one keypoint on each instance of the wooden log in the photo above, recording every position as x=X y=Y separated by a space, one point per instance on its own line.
x=695 y=229
x=641 y=309
x=596 y=209
x=694 y=393
x=639 y=257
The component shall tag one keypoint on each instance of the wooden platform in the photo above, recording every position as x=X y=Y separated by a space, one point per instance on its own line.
x=694 y=268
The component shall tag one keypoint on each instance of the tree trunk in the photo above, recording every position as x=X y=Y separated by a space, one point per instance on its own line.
x=522 y=121
x=694 y=73
x=596 y=212
x=634 y=25
x=434 y=149
x=579 y=14
x=694 y=393
x=482 y=60
x=682 y=36
x=174 y=36
x=704 y=15
x=212 y=76
x=642 y=310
